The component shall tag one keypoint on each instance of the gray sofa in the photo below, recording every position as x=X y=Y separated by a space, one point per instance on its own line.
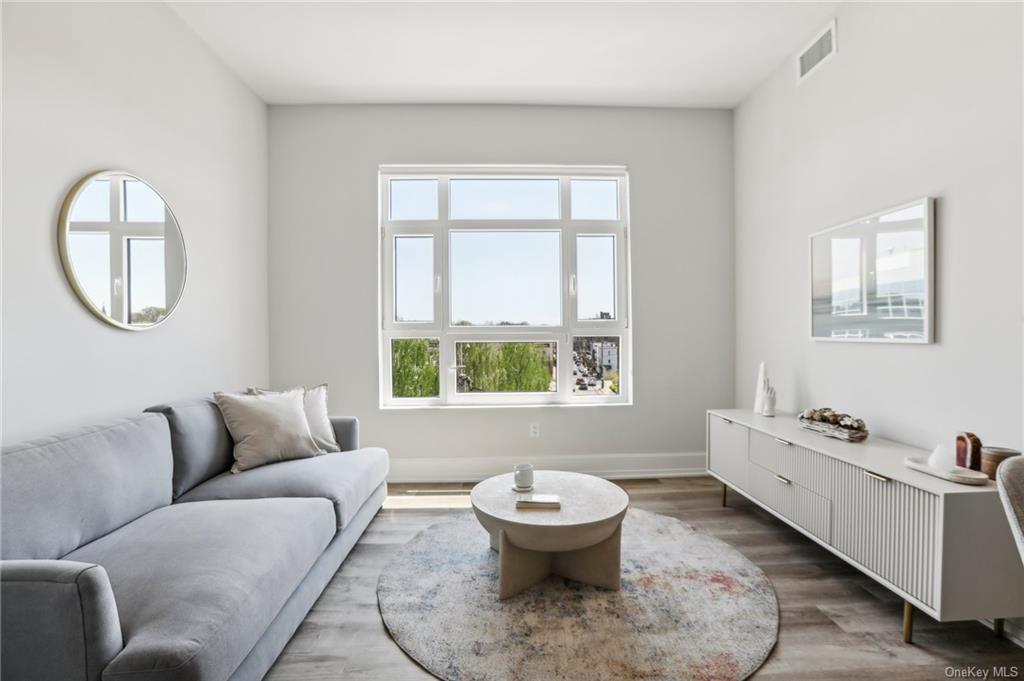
x=131 y=553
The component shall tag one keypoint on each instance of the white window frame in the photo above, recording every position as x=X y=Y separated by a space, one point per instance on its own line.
x=120 y=231
x=441 y=327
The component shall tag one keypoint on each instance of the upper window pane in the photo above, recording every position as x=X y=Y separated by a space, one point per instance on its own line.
x=142 y=204
x=847 y=286
x=503 y=199
x=594 y=199
x=413 y=199
x=502 y=278
x=93 y=203
x=595 y=277
x=900 y=274
x=414 y=279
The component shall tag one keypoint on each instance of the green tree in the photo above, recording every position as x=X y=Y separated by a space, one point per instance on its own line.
x=504 y=367
x=612 y=377
x=414 y=367
x=148 y=315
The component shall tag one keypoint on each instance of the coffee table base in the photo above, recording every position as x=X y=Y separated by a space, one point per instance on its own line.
x=519 y=568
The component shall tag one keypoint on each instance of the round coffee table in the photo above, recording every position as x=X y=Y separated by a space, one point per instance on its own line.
x=580 y=541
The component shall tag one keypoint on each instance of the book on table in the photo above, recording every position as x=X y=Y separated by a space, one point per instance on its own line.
x=538 y=502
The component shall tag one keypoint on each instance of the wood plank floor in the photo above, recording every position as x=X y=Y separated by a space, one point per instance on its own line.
x=836 y=624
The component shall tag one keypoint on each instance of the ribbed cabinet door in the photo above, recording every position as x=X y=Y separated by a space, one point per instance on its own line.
x=727 y=450
x=886 y=526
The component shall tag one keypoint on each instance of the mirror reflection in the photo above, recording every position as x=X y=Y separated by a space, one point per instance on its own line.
x=122 y=250
x=871 y=277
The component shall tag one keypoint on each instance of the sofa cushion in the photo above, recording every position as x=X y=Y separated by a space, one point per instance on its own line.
x=60 y=492
x=346 y=478
x=197 y=585
x=200 y=442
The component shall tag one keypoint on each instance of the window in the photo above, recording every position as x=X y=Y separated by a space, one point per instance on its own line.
x=116 y=233
x=847 y=284
x=504 y=286
x=147 y=302
x=91 y=254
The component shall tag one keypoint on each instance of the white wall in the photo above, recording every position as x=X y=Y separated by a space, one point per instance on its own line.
x=323 y=276
x=920 y=100
x=126 y=86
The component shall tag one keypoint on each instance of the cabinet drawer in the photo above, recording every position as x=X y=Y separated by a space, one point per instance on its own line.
x=727 y=450
x=801 y=506
x=805 y=467
x=888 y=527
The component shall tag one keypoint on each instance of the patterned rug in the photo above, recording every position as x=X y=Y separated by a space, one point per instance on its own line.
x=691 y=607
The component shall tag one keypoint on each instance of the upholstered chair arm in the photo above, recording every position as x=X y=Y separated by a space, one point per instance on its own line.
x=58 y=620
x=346 y=432
x=1010 y=480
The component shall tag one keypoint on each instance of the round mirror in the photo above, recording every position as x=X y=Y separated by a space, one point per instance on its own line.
x=122 y=250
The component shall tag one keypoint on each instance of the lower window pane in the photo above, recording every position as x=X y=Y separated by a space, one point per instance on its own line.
x=147 y=302
x=595 y=365
x=414 y=367
x=506 y=367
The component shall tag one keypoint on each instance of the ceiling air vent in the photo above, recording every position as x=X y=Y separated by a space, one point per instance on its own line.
x=823 y=47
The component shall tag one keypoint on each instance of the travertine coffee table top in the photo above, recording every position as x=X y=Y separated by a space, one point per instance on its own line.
x=585 y=500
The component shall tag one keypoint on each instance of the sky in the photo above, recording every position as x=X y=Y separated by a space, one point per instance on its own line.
x=499 y=276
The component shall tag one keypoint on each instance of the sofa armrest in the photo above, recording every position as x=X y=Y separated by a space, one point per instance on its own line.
x=346 y=432
x=58 y=621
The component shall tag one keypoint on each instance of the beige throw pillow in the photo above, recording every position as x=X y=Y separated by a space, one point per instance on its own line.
x=266 y=428
x=314 y=401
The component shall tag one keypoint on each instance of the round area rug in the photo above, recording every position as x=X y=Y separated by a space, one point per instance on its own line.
x=691 y=607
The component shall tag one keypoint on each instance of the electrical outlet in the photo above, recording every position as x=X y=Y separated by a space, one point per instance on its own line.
x=534 y=430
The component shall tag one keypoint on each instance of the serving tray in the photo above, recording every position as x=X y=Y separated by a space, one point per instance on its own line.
x=963 y=476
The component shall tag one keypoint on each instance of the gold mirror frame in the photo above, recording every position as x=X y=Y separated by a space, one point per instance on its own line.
x=68 y=266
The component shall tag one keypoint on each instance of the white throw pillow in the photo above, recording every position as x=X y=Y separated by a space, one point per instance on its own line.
x=315 y=403
x=267 y=428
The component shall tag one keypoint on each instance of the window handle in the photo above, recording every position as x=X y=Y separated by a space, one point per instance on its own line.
x=572 y=284
x=437 y=284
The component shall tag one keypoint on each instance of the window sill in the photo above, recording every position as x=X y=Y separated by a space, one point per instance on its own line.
x=558 y=405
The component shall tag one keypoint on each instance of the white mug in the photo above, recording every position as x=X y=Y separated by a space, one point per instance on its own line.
x=524 y=475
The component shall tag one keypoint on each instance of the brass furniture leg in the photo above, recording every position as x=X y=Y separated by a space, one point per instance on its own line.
x=908 y=622
x=998 y=626
x=725 y=491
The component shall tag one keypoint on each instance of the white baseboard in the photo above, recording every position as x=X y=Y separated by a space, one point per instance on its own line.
x=611 y=466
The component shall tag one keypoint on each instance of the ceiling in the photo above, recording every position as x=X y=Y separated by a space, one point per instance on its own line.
x=664 y=54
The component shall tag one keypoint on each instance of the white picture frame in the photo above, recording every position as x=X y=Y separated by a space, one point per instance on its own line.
x=872 y=279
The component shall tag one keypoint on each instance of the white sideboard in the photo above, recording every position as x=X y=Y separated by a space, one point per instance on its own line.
x=944 y=548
